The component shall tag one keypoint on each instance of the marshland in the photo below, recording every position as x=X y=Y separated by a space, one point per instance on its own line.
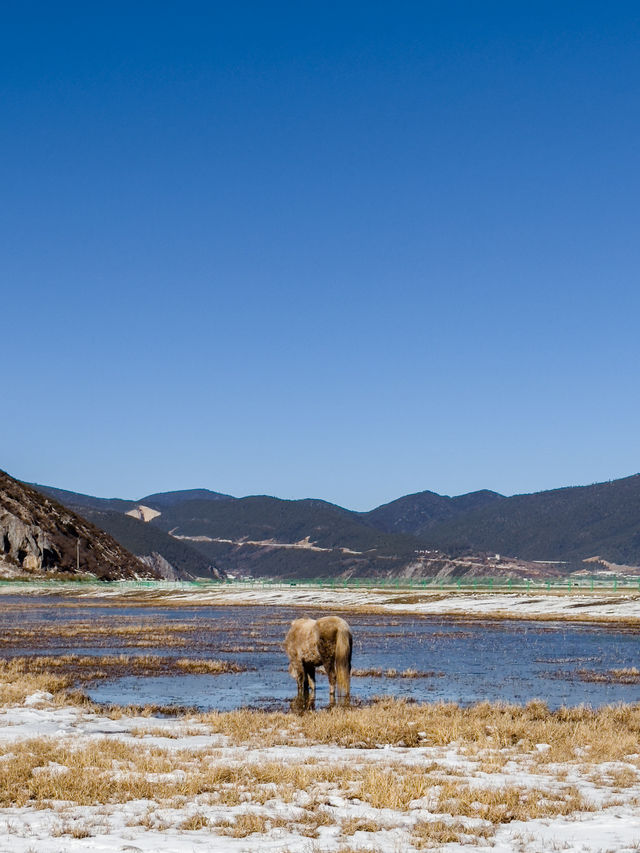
x=151 y=725
x=226 y=657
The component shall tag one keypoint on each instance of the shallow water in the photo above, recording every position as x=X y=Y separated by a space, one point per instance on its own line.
x=469 y=661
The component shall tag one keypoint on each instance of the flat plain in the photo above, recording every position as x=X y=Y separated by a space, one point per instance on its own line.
x=387 y=774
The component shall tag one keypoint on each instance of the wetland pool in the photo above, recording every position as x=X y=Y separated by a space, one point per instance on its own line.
x=456 y=660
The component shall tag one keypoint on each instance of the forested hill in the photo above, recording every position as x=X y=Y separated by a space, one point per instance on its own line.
x=263 y=535
x=174 y=559
x=262 y=518
x=562 y=524
x=78 y=501
x=160 y=500
x=417 y=513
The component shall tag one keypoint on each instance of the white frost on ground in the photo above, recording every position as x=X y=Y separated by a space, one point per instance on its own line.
x=116 y=827
x=601 y=604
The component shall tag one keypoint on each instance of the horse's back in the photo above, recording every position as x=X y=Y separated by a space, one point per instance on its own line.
x=301 y=641
x=331 y=626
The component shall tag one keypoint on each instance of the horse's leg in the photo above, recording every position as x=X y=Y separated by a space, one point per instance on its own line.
x=300 y=679
x=331 y=674
x=310 y=678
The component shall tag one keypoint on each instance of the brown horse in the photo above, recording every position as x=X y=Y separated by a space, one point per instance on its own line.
x=323 y=642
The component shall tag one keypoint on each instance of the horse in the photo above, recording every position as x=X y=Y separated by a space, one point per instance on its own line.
x=323 y=642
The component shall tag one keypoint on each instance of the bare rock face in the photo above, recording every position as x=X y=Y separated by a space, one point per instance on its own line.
x=162 y=567
x=23 y=544
x=167 y=571
x=40 y=536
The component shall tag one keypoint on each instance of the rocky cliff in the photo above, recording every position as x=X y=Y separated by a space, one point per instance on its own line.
x=39 y=536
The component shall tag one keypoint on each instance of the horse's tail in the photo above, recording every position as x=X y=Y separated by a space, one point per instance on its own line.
x=344 y=643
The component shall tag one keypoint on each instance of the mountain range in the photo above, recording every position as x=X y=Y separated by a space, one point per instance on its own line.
x=203 y=533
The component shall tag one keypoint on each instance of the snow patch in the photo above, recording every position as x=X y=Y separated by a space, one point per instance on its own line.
x=38 y=698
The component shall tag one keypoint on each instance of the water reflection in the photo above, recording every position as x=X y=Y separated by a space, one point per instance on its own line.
x=301 y=704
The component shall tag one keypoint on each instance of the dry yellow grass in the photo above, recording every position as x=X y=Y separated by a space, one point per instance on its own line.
x=195 y=822
x=494 y=805
x=386 y=788
x=347 y=848
x=76 y=829
x=351 y=825
x=623 y=777
x=627 y=675
x=42 y=772
x=95 y=634
x=21 y=676
x=509 y=802
x=434 y=833
x=208 y=667
x=378 y=672
x=16 y=685
x=608 y=733
x=85 y=668
x=247 y=823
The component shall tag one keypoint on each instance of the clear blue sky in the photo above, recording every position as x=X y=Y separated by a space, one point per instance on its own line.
x=342 y=250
